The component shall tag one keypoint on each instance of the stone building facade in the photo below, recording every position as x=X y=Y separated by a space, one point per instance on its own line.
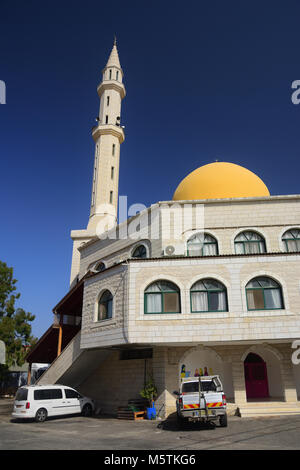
x=209 y=282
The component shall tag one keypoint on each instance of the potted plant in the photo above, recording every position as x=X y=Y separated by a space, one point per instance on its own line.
x=149 y=392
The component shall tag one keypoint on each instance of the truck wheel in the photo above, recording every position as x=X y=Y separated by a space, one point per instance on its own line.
x=41 y=415
x=223 y=421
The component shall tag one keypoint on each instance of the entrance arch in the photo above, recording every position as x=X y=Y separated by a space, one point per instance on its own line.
x=256 y=378
x=204 y=361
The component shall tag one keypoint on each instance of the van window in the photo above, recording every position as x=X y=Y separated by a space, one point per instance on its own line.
x=48 y=394
x=22 y=394
x=72 y=393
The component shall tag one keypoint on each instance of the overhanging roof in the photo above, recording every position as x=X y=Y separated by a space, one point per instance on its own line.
x=45 y=350
x=71 y=303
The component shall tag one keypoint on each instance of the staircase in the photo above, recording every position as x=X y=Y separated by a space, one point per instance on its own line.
x=73 y=365
x=270 y=408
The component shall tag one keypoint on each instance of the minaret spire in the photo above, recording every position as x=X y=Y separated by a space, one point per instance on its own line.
x=108 y=136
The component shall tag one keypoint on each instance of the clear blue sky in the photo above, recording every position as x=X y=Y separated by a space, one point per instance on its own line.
x=204 y=80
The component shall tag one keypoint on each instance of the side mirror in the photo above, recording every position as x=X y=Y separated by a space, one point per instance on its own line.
x=176 y=393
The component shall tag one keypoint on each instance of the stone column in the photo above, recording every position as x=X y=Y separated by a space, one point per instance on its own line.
x=238 y=379
x=288 y=381
x=158 y=368
x=165 y=375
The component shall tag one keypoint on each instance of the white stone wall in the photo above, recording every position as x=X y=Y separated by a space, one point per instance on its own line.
x=224 y=219
x=169 y=223
x=116 y=381
x=111 y=331
x=238 y=324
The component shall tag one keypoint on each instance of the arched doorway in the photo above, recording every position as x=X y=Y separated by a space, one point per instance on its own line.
x=202 y=361
x=256 y=377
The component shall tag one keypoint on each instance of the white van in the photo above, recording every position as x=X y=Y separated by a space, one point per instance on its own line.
x=40 y=401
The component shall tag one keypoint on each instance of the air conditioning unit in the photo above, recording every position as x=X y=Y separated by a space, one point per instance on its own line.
x=174 y=250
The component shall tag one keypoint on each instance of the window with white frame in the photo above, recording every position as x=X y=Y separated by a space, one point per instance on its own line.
x=139 y=252
x=105 y=306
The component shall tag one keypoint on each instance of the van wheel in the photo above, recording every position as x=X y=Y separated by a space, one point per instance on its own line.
x=41 y=415
x=223 y=421
x=87 y=411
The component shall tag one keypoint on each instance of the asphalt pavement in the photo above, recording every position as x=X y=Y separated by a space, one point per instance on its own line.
x=107 y=433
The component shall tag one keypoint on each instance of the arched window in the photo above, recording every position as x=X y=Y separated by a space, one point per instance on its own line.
x=105 y=305
x=208 y=295
x=202 y=244
x=99 y=267
x=291 y=240
x=249 y=242
x=162 y=297
x=139 y=252
x=263 y=293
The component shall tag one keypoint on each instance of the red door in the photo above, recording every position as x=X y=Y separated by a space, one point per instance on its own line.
x=256 y=377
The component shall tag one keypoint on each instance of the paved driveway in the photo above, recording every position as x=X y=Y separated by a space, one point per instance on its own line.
x=76 y=432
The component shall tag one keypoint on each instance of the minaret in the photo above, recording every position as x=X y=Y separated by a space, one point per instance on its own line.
x=108 y=136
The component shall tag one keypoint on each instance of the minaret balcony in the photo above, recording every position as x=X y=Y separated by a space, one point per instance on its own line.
x=108 y=129
x=111 y=85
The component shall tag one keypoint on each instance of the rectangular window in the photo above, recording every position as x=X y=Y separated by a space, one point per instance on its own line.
x=72 y=393
x=153 y=303
x=107 y=101
x=112 y=172
x=171 y=302
x=255 y=299
x=110 y=74
x=193 y=387
x=21 y=394
x=135 y=354
x=51 y=394
x=113 y=149
x=106 y=119
x=117 y=75
x=110 y=197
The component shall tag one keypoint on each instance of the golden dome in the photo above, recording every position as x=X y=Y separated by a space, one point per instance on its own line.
x=220 y=180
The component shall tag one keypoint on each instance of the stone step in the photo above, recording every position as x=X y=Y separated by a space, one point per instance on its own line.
x=269 y=409
x=270 y=404
x=257 y=413
x=263 y=408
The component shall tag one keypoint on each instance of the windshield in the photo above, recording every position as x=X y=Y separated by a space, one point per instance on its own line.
x=192 y=387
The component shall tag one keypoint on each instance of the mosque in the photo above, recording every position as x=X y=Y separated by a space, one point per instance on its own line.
x=206 y=283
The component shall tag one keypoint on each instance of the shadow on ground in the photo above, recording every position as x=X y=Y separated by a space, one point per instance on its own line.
x=171 y=424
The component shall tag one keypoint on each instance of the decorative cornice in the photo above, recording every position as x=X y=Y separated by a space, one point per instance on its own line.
x=108 y=129
x=111 y=85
